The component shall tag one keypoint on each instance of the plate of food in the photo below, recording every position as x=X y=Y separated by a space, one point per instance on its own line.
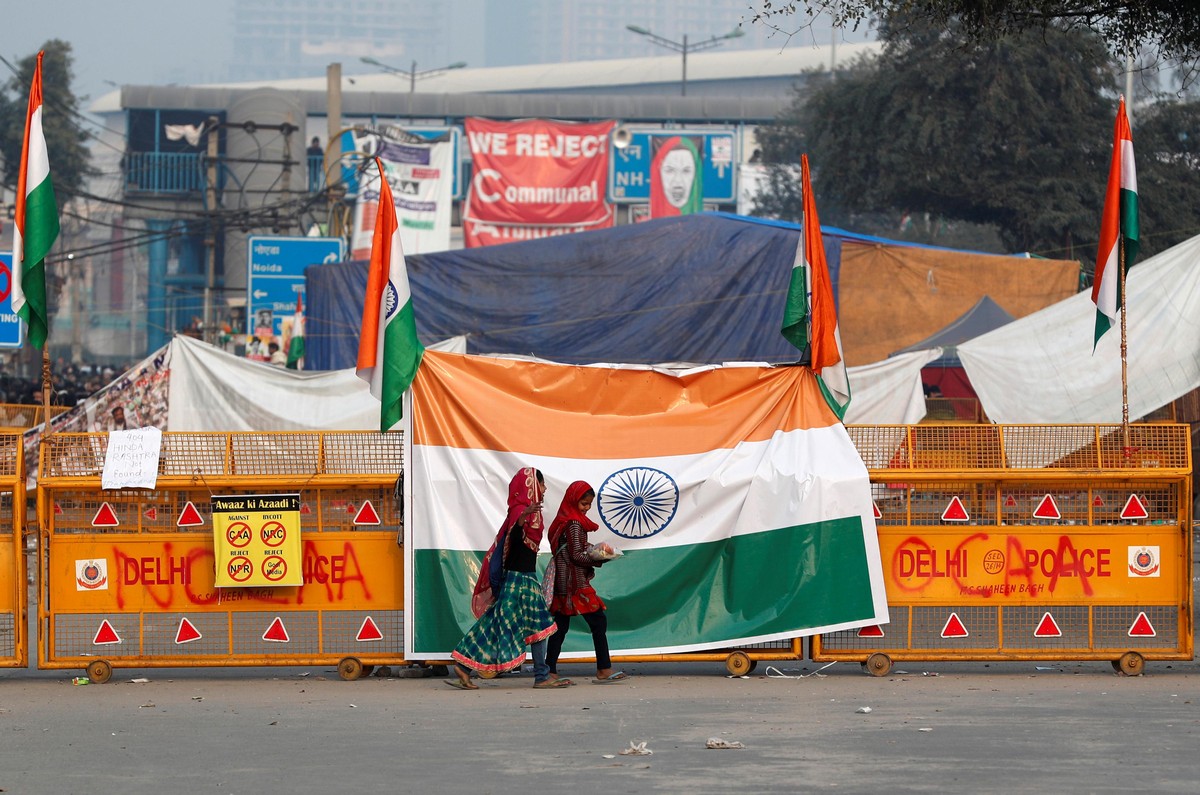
x=603 y=552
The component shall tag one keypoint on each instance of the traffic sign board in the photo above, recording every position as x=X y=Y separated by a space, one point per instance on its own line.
x=10 y=321
x=275 y=274
x=629 y=166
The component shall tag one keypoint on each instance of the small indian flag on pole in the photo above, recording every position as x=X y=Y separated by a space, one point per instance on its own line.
x=388 y=350
x=1118 y=227
x=295 y=353
x=810 y=316
x=36 y=222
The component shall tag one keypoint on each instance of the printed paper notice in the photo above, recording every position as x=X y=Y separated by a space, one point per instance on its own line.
x=132 y=459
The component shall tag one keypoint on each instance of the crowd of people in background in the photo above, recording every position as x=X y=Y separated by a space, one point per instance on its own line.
x=71 y=383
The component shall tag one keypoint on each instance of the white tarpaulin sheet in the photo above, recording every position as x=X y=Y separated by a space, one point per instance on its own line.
x=211 y=390
x=889 y=392
x=1041 y=368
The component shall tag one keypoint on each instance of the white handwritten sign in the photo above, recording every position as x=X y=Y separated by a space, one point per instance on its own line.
x=132 y=459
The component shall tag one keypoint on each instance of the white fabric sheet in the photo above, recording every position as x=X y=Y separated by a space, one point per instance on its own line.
x=889 y=392
x=1041 y=369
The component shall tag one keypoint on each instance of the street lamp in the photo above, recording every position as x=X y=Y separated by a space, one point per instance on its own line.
x=412 y=74
x=684 y=47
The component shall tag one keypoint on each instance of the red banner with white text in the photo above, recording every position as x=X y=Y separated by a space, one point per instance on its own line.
x=535 y=178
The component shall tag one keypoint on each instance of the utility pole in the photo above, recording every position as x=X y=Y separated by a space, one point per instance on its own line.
x=333 y=117
x=210 y=231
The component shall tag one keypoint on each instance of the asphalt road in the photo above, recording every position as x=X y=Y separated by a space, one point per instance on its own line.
x=953 y=727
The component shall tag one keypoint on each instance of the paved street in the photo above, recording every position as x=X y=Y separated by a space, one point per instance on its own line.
x=1011 y=727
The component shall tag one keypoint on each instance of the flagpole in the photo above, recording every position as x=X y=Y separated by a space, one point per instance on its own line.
x=1124 y=349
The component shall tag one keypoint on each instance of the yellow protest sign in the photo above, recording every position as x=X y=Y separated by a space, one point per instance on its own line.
x=256 y=538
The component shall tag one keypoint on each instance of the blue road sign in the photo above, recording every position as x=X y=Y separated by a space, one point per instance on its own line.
x=10 y=321
x=629 y=166
x=275 y=274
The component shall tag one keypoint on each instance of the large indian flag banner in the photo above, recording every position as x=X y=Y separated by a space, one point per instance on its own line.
x=742 y=507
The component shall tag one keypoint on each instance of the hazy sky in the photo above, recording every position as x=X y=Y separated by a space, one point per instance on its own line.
x=132 y=41
x=142 y=41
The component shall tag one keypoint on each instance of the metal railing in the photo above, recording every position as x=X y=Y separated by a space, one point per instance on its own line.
x=164 y=172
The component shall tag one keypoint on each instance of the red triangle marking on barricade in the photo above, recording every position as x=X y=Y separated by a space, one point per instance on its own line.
x=1142 y=628
x=955 y=511
x=277 y=632
x=369 y=630
x=1047 y=628
x=875 y=631
x=189 y=516
x=954 y=627
x=187 y=632
x=1010 y=501
x=1134 y=508
x=1047 y=509
x=151 y=513
x=366 y=514
x=875 y=507
x=349 y=507
x=1097 y=501
x=57 y=509
x=304 y=508
x=106 y=635
x=105 y=516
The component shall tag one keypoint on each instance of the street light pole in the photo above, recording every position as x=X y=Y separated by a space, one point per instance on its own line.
x=683 y=47
x=412 y=74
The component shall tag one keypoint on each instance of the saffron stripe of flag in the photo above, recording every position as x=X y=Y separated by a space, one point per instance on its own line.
x=389 y=351
x=1118 y=227
x=36 y=221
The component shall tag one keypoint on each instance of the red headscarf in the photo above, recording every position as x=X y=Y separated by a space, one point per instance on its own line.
x=522 y=492
x=569 y=512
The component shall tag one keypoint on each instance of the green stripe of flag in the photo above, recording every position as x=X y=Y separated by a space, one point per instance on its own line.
x=768 y=583
x=37 y=236
x=795 y=311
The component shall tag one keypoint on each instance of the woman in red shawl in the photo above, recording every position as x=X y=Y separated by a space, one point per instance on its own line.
x=508 y=596
x=573 y=572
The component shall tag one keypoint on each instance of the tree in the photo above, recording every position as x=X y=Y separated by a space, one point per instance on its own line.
x=1169 y=27
x=70 y=160
x=1015 y=134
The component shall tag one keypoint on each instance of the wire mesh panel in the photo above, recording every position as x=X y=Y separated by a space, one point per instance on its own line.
x=956 y=628
x=13 y=593
x=363 y=633
x=1137 y=626
x=892 y=636
x=275 y=454
x=1046 y=627
x=364 y=452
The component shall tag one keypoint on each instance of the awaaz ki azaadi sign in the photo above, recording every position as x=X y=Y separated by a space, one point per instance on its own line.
x=256 y=540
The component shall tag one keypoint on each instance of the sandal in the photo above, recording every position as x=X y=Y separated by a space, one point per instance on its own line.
x=461 y=685
x=545 y=683
x=615 y=676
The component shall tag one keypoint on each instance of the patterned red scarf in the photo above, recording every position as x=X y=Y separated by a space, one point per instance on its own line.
x=569 y=512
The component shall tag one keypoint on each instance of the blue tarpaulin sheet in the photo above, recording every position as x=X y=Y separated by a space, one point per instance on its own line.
x=703 y=288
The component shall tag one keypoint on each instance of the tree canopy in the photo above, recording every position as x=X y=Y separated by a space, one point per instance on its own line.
x=1015 y=134
x=70 y=160
x=1169 y=27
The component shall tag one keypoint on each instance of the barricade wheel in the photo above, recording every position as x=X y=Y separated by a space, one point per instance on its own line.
x=367 y=669
x=99 y=671
x=878 y=664
x=739 y=664
x=1130 y=664
x=350 y=669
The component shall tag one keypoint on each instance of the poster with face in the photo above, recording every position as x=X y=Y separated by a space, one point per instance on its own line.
x=676 y=186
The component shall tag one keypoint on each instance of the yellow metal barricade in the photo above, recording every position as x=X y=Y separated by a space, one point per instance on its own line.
x=1025 y=542
x=128 y=575
x=14 y=590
